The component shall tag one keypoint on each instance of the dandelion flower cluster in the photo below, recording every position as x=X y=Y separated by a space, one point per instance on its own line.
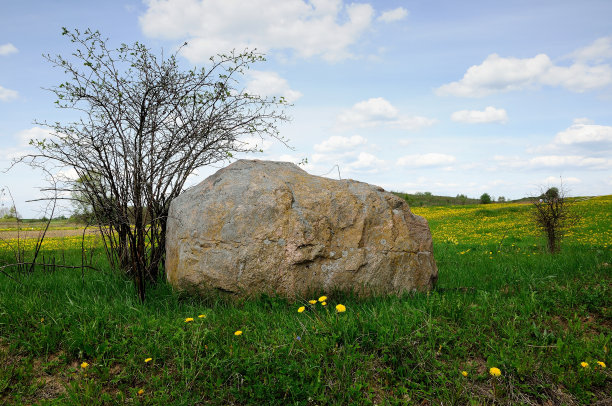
x=202 y=316
x=340 y=308
x=237 y=333
x=84 y=365
x=188 y=319
x=301 y=309
x=148 y=360
x=141 y=391
x=312 y=301
x=464 y=373
x=584 y=364
x=323 y=303
x=601 y=364
x=322 y=299
x=495 y=371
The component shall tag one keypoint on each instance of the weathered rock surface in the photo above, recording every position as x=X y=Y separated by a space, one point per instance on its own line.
x=261 y=226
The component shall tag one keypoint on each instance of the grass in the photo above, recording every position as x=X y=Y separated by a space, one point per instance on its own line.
x=501 y=301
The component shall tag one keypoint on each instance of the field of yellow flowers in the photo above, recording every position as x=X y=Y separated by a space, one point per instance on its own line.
x=508 y=323
x=503 y=222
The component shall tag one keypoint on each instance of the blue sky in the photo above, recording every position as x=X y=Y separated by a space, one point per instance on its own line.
x=440 y=96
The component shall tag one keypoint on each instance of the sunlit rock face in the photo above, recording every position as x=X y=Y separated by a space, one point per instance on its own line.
x=270 y=227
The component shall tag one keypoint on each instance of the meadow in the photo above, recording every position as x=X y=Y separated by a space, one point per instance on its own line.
x=508 y=323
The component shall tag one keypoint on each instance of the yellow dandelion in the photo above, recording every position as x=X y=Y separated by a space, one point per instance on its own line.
x=237 y=333
x=312 y=301
x=323 y=303
x=495 y=371
x=148 y=360
x=141 y=391
x=464 y=373
x=601 y=364
x=322 y=298
x=188 y=319
x=340 y=308
x=301 y=309
x=584 y=364
x=84 y=365
x=202 y=316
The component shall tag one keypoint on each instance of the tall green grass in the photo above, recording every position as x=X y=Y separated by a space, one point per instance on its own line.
x=534 y=316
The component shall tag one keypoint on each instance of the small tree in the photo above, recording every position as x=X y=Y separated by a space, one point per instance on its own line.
x=553 y=215
x=462 y=199
x=485 y=198
x=501 y=199
x=145 y=126
x=9 y=213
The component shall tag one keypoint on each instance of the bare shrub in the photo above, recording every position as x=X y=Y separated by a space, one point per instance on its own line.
x=553 y=214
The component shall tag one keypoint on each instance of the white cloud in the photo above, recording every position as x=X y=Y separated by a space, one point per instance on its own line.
x=366 y=162
x=578 y=77
x=555 y=161
x=498 y=74
x=489 y=115
x=21 y=144
x=570 y=180
x=335 y=143
x=325 y=28
x=271 y=84
x=34 y=133
x=425 y=160
x=7 y=94
x=570 y=160
x=583 y=136
x=8 y=49
x=393 y=15
x=583 y=131
x=412 y=123
x=379 y=112
x=598 y=51
x=404 y=142
x=255 y=142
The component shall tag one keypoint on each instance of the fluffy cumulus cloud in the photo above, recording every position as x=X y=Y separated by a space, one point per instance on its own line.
x=350 y=154
x=7 y=49
x=379 y=112
x=393 y=15
x=271 y=84
x=426 y=160
x=7 y=94
x=501 y=74
x=598 y=51
x=554 y=161
x=582 y=137
x=339 y=143
x=554 y=180
x=325 y=28
x=489 y=115
x=35 y=133
x=584 y=145
x=584 y=132
x=21 y=144
x=366 y=162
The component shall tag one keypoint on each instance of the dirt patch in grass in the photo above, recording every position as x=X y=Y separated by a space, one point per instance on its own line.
x=51 y=387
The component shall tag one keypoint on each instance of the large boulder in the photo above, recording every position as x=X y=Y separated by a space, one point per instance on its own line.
x=262 y=226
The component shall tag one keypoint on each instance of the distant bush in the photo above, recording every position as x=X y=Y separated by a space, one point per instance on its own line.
x=485 y=198
x=427 y=199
